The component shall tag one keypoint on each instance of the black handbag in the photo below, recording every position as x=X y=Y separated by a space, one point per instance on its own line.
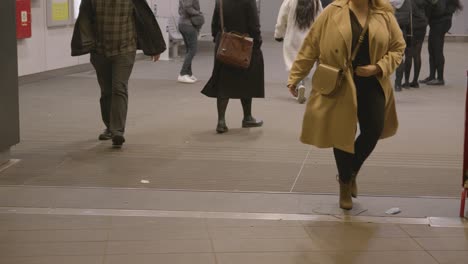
x=197 y=20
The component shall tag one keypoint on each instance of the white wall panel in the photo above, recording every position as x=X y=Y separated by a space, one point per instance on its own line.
x=31 y=51
x=49 y=48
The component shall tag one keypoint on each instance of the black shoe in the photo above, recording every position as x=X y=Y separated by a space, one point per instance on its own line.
x=436 y=82
x=428 y=79
x=414 y=85
x=251 y=123
x=221 y=127
x=117 y=141
x=105 y=135
x=397 y=87
x=406 y=85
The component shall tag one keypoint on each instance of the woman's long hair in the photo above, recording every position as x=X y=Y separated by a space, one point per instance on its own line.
x=306 y=11
x=457 y=4
x=383 y=5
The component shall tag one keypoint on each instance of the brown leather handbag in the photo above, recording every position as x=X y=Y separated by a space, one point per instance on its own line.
x=234 y=49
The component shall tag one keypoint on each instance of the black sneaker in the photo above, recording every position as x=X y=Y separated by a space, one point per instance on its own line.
x=406 y=85
x=428 y=79
x=105 y=135
x=414 y=85
x=117 y=141
x=436 y=82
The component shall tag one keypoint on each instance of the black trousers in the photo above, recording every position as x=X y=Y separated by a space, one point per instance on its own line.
x=371 y=116
x=113 y=74
x=436 y=48
x=401 y=69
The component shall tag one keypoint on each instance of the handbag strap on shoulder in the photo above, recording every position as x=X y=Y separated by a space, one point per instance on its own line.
x=361 y=39
x=221 y=14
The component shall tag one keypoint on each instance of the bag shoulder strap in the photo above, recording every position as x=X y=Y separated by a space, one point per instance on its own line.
x=221 y=14
x=361 y=39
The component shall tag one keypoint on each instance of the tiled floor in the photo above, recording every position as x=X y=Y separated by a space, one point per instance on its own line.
x=171 y=142
x=42 y=239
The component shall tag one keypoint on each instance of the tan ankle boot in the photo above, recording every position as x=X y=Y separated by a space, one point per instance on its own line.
x=346 y=202
x=354 y=188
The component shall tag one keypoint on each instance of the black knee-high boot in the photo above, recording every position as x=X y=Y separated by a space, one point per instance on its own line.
x=249 y=120
x=222 y=104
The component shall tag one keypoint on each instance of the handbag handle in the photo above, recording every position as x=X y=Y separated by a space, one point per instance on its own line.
x=361 y=39
x=221 y=14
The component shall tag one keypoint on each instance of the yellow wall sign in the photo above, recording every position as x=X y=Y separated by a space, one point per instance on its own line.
x=60 y=10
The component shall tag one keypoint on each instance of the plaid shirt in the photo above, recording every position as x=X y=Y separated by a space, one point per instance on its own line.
x=116 y=30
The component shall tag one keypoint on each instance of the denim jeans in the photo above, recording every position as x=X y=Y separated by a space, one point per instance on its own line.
x=190 y=35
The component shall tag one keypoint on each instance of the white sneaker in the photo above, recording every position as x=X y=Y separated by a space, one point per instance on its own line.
x=193 y=78
x=185 y=79
x=301 y=94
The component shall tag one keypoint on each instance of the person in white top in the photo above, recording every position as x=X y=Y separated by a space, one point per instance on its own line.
x=294 y=21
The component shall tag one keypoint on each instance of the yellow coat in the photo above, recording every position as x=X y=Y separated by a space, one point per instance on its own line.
x=331 y=121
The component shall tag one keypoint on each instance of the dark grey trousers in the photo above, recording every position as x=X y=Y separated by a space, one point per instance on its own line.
x=113 y=74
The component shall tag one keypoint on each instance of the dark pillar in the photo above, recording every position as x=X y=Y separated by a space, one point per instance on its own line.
x=9 y=105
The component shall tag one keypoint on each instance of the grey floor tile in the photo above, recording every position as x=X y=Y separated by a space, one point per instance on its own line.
x=95 y=235
x=160 y=233
x=53 y=260
x=357 y=231
x=113 y=171
x=3 y=235
x=427 y=231
x=257 y=232
x=364 y=243
x=266 y=245
x=212 y=223
x=156 y=222
x=159 y=247
x=327 y=258
x=57 y=222
x=443 y=243
x=323 y=224
x=450 y=257
x=374 y=180
x=202 y=258
x=52 y=249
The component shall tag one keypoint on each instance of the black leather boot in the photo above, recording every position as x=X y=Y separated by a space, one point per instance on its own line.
x=221 y=127
x=251 y=122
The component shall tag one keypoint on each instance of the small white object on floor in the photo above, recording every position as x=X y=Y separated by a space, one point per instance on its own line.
x=145 y=181
x=393 y=211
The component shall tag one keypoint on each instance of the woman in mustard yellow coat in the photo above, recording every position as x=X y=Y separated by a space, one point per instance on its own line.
x=366 y=96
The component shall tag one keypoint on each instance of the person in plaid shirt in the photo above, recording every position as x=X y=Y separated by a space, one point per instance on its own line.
x=112 y=31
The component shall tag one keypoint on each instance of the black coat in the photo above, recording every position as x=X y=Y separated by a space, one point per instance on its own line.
x=228 y=82
x=149 y=36
x=421 y=9
x=442 y=11
x=403 y=14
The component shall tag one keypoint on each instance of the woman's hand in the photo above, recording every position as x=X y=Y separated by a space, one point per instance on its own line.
x=368 y=70
x=292 y=89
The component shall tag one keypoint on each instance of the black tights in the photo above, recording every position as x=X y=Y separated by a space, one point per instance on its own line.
x=401 y=68
x=414 y=53
x=436 y=48
x=371 y=116
x=222 y=104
